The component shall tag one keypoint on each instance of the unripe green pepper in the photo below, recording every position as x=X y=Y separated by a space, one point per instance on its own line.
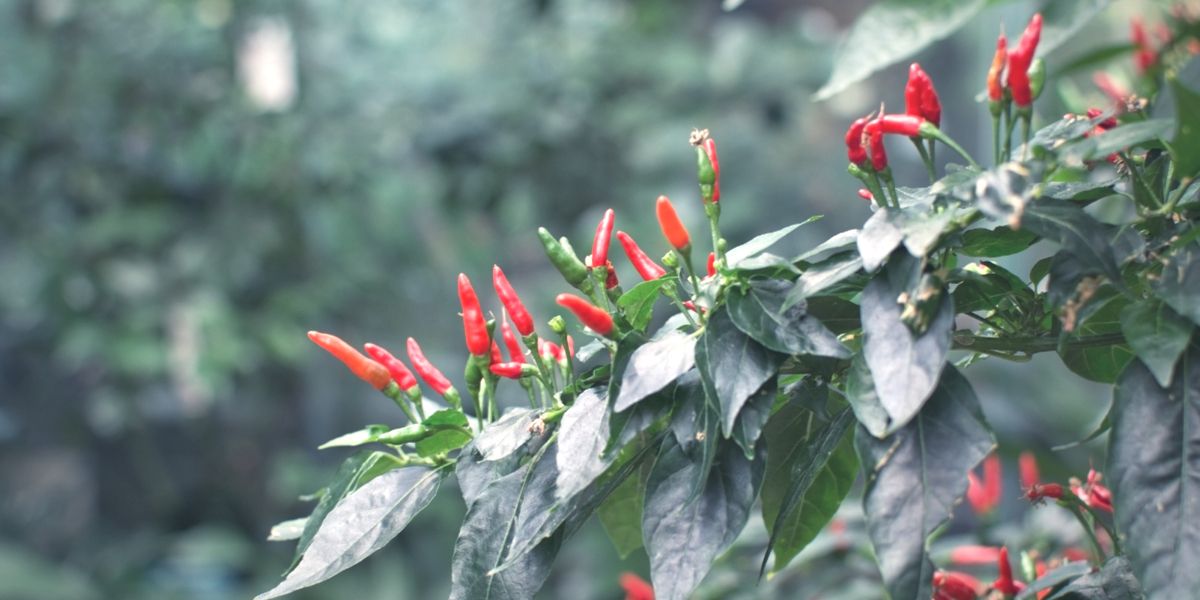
x=571 y=268
x=1037 y=77
x=558 y=325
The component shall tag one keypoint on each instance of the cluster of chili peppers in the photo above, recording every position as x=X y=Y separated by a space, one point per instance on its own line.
x=1082 y=499
x=548 y=373
x=1017 y=77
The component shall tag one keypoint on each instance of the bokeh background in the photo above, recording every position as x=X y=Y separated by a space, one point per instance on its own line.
x=187 y=186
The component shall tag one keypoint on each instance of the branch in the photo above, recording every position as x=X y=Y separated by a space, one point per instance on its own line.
x=1031 y=344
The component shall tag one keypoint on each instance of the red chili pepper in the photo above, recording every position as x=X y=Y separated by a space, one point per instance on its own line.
x=570 y=348
x=1039 y=569
x=592 y=316
x=984 y=496
x=865 y=194
x=1115 y=91
x=551 y=350
x=511 y=370
x=875 y=141
x=906 y=125
x=1144 y=56
x=712 y=264
x=974 y=555
x=672 y=227
x=688 y=304
x=399 y=372
x=474 y=325
x=1096 y=494
x=920 y=97
x=363 y=367
x=952 y=585
x=1028 y=468
x=603 y=238
x=426 y=370
x=1005 y=583
x=710 y=148
x=854 y=142
x=636 y=588
x=610 y=276
x=1041 y=491
x=494 y=356
x=646 y=267
x=1108 y=123
x=512 y=302
x=515 y=352
x=1019 y=60
x=995 y=81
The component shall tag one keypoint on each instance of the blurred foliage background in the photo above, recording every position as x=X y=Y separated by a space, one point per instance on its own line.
x=187 y=186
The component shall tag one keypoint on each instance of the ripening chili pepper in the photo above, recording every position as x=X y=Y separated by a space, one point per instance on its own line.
x=875 y=142
x=474 y=325
x=515 y=352
x=865 y=194
x=511 y=301
x=603 y=238
x=1028 y=468
x=550 y=350
x=362 y=367
x=974 y=555
x=1108 y=123
x=984 y=496
x=571 y=268
x=672 y=227
x=570 y=349
x=1144 y=56
x=645 y=266
x=426 y=370
x=513 y=370
x=1094 y=493
x=1005 y=583
x=592 y=316
x=995 y=74
x=635 y=587
x=1019 y=60
x=854 y=142
x=397 y=369
x=610 y=276
x=952 y=585
x=1041 y=491
x=710 y=149
x=920 y=97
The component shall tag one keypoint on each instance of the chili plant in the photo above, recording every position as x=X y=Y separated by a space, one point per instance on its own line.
x=779 y=381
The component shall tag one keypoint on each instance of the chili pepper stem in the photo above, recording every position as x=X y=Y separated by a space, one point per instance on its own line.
x=996 y=138
x=1087 y=528
x=568 y=372
x=925 y=158
x=1009 y=125
x=672 y=294
x=929 y=131
x=1116 y=540
x=932 y=152
x=394 y=392
x=1026 y=123
x=713 y=211
x=478 y=400
x=870 y=182
x=691 y=271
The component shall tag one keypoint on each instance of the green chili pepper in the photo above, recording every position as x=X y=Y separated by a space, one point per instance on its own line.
x=572 y=269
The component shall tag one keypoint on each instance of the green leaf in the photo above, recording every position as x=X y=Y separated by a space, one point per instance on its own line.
x=1054 y=578
x=1099 y=363
x=864 y=401
x=1001 y=241
x=353 y=473
x=1157 y=334
x=754 y=416
x=1179 y=285
x=621 y=513
x=916 y=476
x=500 y=439
x=904 y=366
x=736 y=255
x=891 y=31
x=287 y=530
x=683 y=535
x=450 y=433
x=1154 y=472
x=732 y=366
x=879 y=237
x=1114 y=581
x=362 y=523
x=653 y=366
x=839 y=243
x=1076 y=231
x=1117 y=139
x=1185 y=147
x=638 y=302
x=581 y=439
x=759 y=314
x=810 y=469
x=839 y=315
x=445 y=418
x=695 y=424
x=366 y=435
x=822 y=276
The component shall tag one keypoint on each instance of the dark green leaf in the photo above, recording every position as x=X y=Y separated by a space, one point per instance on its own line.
x=581 y=439
x=621 y=513
x=904 y=366
x=1054 y=578
x=810 y=467
x=766 y=263
x=891 y=31
x=822 y=276
x=754 y=415
x=655 y=365
x=1114 y=581
x=511 y=431
x=362 y=523
x=860 y=393
x=1102 y=363
x=759 y=314
x=1179 y=285
x=914 y=479
x=839 y=315
x=736 y=255
x=683 y=535
x=1185 y=148
x=638 y=302
x=879 y=237
x=695 y=424
x=732 y=366
x=1076 y=231
x=1157 y=334
x=1154 y=472
x=1001 y=241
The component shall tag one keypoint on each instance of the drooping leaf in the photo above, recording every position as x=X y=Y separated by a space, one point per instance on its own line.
x=759 y=314
x=736 y=255
x=683 y=535
x=991 y=243
x=864 y=401
x=1179 y=285
x=754 y=415
x=638 y=302
x=891 y=31
x=822 y=276
x=1154 y=472
x=1185 y=147
x=696 y=424
x=904 y=366
x=732 y=366
x=362 y=523
x=621 y=513
x=1113 y=581
x=916 y=476
x=1157 y=334
x=581 y=440
x=810 y=469
x=503 y=437
x=654 y=365
x=1076 y=231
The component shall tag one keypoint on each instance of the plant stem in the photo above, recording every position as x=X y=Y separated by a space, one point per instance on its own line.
x=1091 y=533
x=1031 y=344
x=925 y=158
x=941 y=136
